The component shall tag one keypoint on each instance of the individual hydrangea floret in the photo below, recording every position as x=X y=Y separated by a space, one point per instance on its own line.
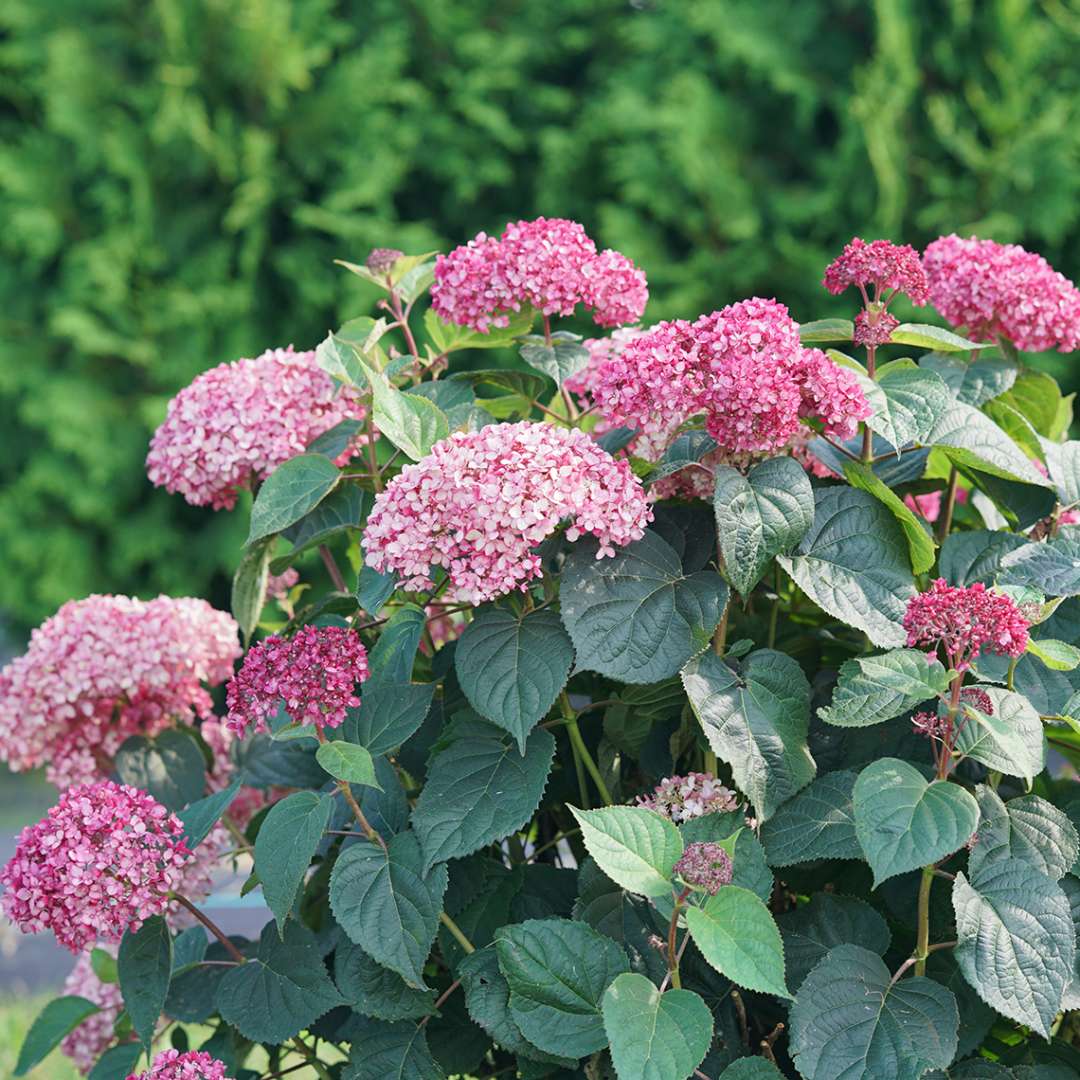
x=479 y=504
x=87 y=1042
x=992 y=290
x=105 y=668
x=964 y=622
x=978 y=699
x=681 y=798
x=381 y=259
x=931 y=724
x=874 y=326
x=706 y=866
x=236 y=423
x=549 y=264
x=99 y=863
x=312 y=674
x=192 y=1065
x=881 y=266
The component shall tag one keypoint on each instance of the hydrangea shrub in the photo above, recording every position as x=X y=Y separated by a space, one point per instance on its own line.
x=699 y=699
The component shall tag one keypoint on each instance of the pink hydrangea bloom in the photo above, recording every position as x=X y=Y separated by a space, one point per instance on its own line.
x=95 y=1034
x=705 y=865
x=381 y=259
x=192 y=1065
x=482 y=500
x=99 y=863
x=278 y=585
x=239 y=421
x=549 y=264
x=103 y=669
x=993 y=289
x=881 y=266
x=874 y=327
x=964 y=621
x=681 y=798
x=313 y=675
x=931 y=724
x=978 y=699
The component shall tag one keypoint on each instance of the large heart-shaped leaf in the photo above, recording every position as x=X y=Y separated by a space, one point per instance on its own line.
x=169 y=766
x=373 y=990
x=872 y=689
x=1027 y=828
x=635 y=847
x=1008 y=738
x=903 y=822
x=973 y=382
x=819 y=823
x=1052 y=567
x=911 y=402
x=389 y=713
x=398 y=1051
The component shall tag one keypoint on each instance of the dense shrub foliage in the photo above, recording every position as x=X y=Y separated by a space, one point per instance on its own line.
x=699 y=699
x=176 y=176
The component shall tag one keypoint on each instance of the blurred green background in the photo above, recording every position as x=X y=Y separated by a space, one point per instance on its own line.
x=177 y=175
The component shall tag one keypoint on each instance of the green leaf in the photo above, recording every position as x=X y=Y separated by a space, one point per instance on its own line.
x=903 y=822
x=637 y=617
x=973 y=556
x=557 y=971
x=512 y=669
x=447 y=337
x=909 y=404
x=344 y=508
x=811 y=930
x=1016 y=941
x=480 y=789
x=738 y=936
x=373 y=990
x=347 y=761
x=920 y=544
x=391 y=1052
x=850 y=1022
x=522 y=383
x=249 y=586
x=169 y=766
x=926 y=336
x=1052 y=567
x=374 y=589
x=292 y=490
x=283 y=990
x=762 y=514
x=973 y=382
x=389 y=713
x=751 y=1068
x=395 y=652
x=52 y=1025
x=655 y=1036
x=1009 y=740
x=387 y=905
x=854 y=564
x=144 y=968
x=287 y=840
x=635 y=847
x=872 y=689
x=684 y=450
x=1037 y=396
x=819 y=823
x=821 y=331
x=103 y=964
x=333 y=442
x=756 y=721
x=412 y=423
x=117 y=1063
x=1027 y=828
x=201 y=816
x=563 y=358
x=339 y=354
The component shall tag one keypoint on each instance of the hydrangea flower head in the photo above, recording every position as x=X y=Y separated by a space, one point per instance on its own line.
x=964 y=621
x=993 y=289
x=874 y=326
x=99 y=863
x=879 y=265
x=706 y=866
x=87 y=1042
x=681 y=798
x=105 y=668
x=479 y=504
x=237 y=422
x=313 y=675
x=614 y=288
x=192 y=1065
x=381 y=259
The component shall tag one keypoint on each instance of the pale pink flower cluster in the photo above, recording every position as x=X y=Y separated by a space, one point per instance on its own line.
x=705 y=865
x=313 y=675
x=743 y=367
x=105 y=668
x=99 y=863
x=278 y=585
x=192 y=1065
x=681 y=798
x=481 y=501
x=237 y=422
x=882 y=266
x=550 y=265
x=95 y=1034
x=993 y=289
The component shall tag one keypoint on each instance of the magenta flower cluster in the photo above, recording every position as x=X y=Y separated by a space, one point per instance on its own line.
x=706 y=866
x=681 y=798
x=192 y=1065
x=312 y=674
x=993 y=289
x=100 y=862
x=87 y=1042
x=236 y=423
x=481 y=501
x=550 y=265
x=879 y=269
x=965 y=620
x=103 y=669
x=743 y=367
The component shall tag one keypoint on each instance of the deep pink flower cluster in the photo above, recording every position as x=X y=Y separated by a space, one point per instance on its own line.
x=882 y=266
x=549 y=264
x=313 y=675
x=705 y=865
x=936 y=725
x=100 y=862
x=103 y=669
x=874 y=327
x=743 y=367
x=931 y=724
x=993 y=289
x=95 y=1034
x=239 y=421
x=964 y=621
x=681 y=798
x=192 y=1065
x=482 y=500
